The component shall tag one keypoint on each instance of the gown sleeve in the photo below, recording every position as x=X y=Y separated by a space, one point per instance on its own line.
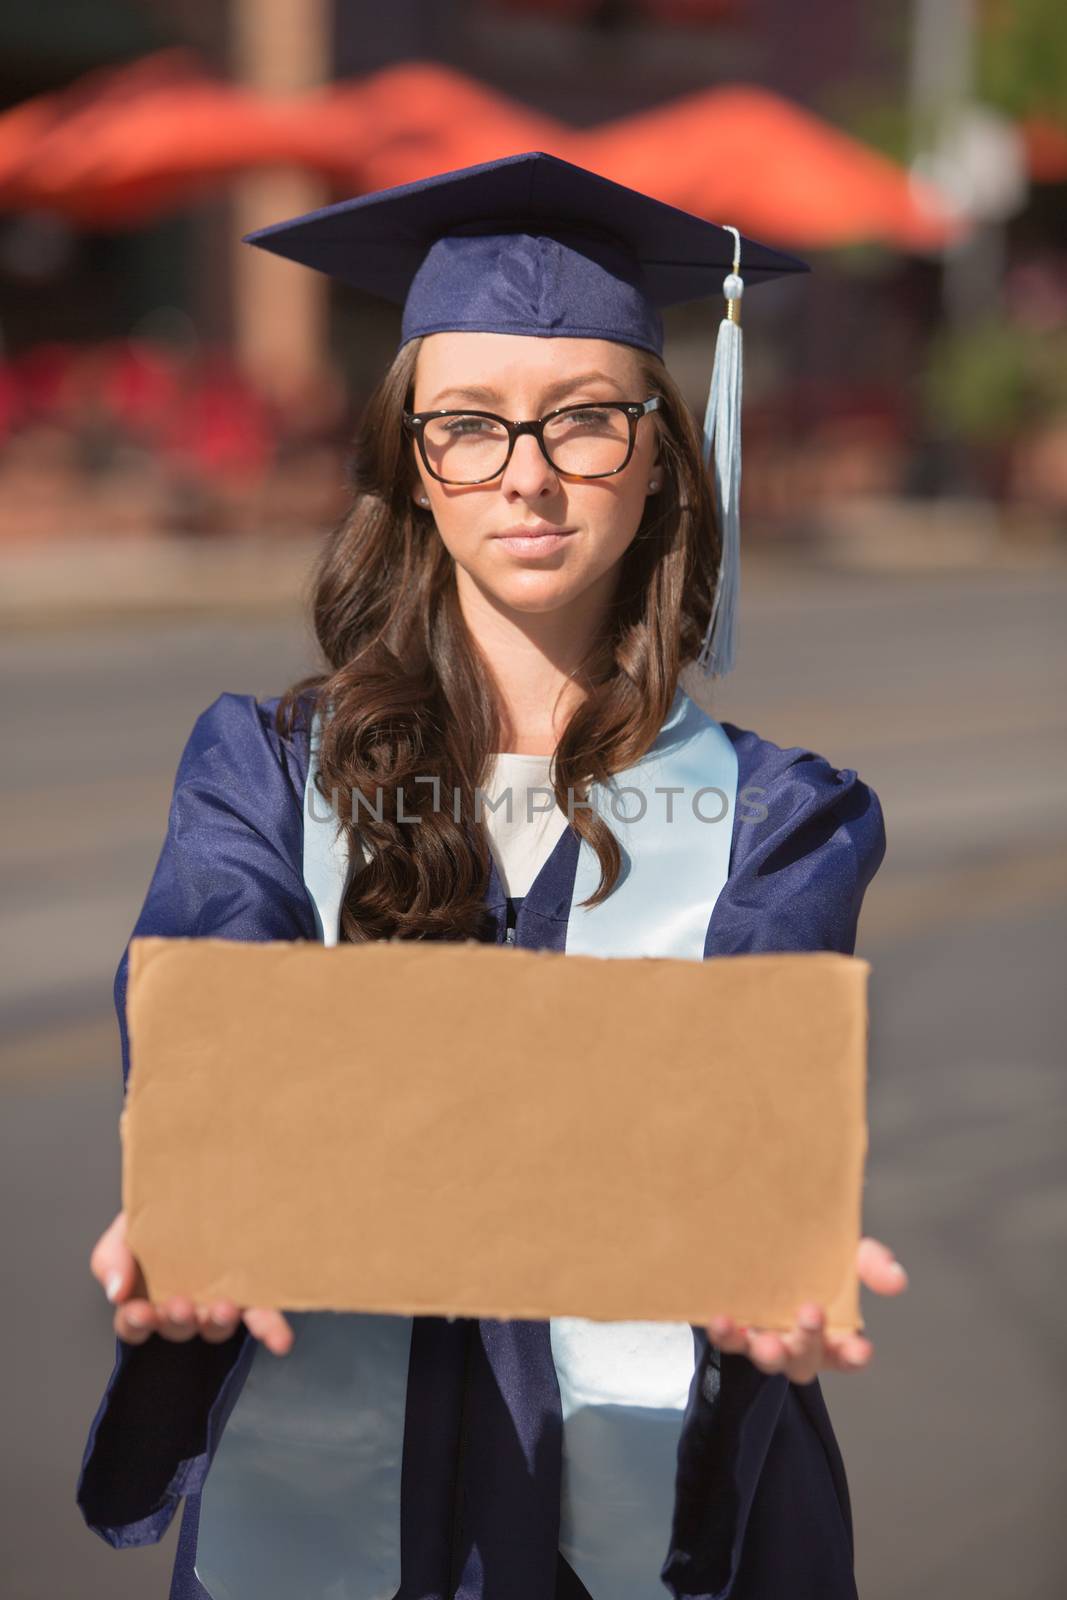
x=808 y=839
x=230 y=867
x=762 y=1505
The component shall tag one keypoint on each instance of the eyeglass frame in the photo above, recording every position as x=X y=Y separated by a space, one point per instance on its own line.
x=415 y=423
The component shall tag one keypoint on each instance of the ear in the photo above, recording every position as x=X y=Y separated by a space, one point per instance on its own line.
x=656 y=469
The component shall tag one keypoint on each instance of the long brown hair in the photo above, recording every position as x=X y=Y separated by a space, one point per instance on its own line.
x=410 y=695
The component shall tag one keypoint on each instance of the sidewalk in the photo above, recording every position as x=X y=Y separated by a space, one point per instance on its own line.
x=84 y=580
x=933 y=535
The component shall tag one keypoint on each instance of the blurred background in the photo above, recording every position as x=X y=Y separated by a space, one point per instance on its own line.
x=175 y=415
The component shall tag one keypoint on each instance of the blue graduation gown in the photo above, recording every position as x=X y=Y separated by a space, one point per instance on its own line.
x=761 y=1507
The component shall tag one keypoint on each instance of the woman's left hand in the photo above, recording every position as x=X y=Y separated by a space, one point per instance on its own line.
x=808 y=1350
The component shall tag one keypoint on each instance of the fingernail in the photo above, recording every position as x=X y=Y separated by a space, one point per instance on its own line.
x=898 y=1271
x=113 y=1285
x=136 y=1319
x=219 y=1318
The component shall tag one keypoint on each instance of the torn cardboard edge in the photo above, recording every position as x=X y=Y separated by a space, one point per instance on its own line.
x=442 y=1129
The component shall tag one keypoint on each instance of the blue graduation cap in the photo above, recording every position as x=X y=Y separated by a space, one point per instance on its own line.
x=535 y=245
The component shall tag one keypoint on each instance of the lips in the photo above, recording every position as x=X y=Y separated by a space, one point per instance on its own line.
x=537 y=530
x=533 y=544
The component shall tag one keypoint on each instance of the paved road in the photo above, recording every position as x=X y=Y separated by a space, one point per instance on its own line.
x=947 y=696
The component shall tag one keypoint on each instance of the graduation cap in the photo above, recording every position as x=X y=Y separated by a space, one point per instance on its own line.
x=534 y=245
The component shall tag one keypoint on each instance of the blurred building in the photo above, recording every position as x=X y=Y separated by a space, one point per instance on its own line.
x=583 y=61
x=849 y=392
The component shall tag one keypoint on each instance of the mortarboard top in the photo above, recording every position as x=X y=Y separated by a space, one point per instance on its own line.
x=530 y=244
x=526 y=244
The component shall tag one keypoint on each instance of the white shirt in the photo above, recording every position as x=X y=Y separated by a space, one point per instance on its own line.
x=523 y=842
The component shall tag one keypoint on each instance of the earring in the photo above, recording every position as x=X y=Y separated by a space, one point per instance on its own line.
x=653 y=487
x=424 y=499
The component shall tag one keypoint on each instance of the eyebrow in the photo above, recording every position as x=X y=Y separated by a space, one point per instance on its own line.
x=553 y=392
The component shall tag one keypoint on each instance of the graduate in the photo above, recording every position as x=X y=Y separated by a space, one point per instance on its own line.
x=528 y=602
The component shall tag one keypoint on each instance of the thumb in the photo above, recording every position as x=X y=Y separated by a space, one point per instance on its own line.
x=112 y=1262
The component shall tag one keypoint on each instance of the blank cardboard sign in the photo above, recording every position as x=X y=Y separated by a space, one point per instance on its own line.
x=478 y=1130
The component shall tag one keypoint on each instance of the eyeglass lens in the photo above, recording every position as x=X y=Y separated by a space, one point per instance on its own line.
x=464 y=447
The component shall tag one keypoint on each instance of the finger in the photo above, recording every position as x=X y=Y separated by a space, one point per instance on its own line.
x=135 y=1321
x=849 y=1352
x=879 y=1268
x=728 y=1335
x=112 y=1262
x=804 y=1345
x=217 y=1321
x=767 y=1350
x=177 y=1319
x=271 y=1327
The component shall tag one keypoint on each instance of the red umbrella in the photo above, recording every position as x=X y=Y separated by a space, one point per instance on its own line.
x=774 y=170
x=1046 y=150
x=124 y=145
x=416 y=118
x=126 y=142
x=739 y=154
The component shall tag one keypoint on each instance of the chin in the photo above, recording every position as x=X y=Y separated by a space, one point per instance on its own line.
x=535 y=598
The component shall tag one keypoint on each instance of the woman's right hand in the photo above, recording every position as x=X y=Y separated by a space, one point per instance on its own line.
x=114 y=1265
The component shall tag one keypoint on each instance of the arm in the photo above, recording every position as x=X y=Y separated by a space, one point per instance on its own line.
x=230 y=867
x=815 y=841
x=808 y=839
x=799 y=870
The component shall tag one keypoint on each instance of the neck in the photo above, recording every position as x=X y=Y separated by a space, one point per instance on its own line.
x=536 y=663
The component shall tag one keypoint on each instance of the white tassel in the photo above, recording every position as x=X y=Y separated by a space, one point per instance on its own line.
x=722 y=444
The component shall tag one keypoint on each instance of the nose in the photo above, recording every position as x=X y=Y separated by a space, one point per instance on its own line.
x=529 y=474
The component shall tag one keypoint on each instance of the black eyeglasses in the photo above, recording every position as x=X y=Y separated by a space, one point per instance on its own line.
x=593 y=440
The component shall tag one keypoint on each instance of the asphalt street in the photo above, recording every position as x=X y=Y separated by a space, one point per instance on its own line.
x=946 y=694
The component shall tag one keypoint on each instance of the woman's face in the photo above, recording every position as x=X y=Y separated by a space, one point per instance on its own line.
x=522 y=377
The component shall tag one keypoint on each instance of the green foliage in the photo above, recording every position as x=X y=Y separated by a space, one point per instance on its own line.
x=884 y=125
x=987 y=382
x=1020 y=69
x=1022 y=57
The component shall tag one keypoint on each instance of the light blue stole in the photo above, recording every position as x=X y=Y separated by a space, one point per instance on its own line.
x=303 y=1495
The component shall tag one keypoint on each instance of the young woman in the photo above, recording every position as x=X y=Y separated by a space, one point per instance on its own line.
x=504 y=607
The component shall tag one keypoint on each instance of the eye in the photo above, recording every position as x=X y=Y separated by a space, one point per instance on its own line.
x=587 y=417
x=466 y=426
